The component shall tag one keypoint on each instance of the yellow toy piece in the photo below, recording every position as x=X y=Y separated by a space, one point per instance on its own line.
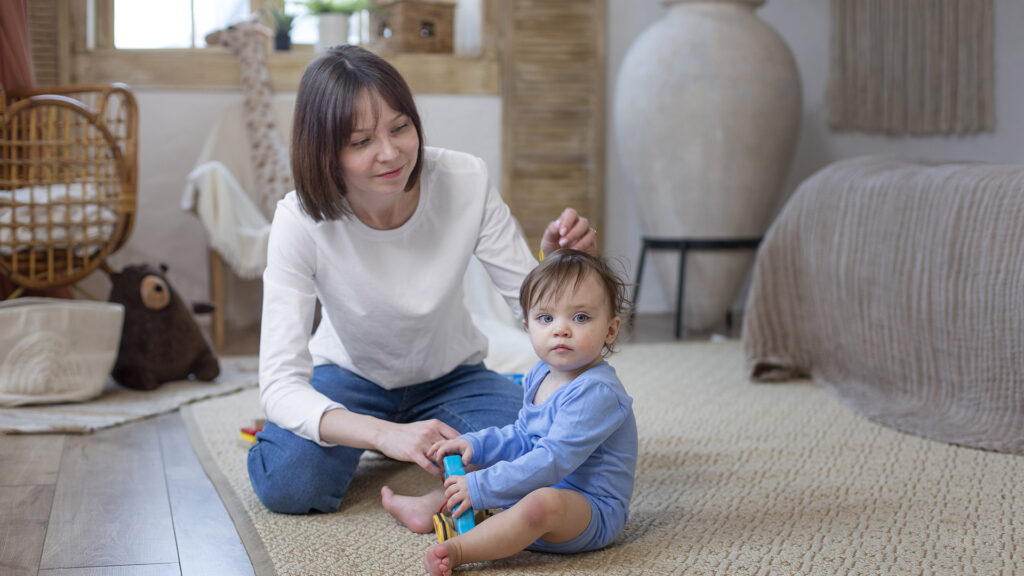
x=444 y=525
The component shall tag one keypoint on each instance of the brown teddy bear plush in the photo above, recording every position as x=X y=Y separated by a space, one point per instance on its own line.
x=160 y=341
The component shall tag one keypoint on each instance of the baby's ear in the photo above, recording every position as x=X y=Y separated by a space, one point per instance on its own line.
x=526 y=326
x=613 y=330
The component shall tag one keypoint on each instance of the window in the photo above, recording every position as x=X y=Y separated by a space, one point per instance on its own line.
x=144 y=24
x=117 y=41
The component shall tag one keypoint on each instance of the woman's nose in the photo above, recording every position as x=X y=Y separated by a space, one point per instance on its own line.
x=387 y=149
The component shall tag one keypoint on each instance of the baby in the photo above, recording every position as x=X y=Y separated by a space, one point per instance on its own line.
x=564 y=470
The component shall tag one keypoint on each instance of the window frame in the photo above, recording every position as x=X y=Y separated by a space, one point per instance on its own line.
x=91 y=58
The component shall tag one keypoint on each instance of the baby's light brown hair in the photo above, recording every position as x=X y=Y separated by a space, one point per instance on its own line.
x=565 y=270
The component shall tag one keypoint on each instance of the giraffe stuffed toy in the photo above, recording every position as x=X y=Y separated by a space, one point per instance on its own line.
x=268 y=155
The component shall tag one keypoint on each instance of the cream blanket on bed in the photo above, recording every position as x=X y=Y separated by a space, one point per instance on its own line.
x=899 y=286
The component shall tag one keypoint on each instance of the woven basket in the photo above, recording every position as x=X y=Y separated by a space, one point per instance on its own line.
x=55 y=350
x=68 y=178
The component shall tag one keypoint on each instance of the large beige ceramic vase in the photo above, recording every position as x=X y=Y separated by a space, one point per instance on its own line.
x=707 y=111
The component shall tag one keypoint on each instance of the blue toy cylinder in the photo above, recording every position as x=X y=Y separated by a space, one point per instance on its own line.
x=453 y=467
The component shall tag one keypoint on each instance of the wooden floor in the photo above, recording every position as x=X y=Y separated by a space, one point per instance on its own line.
x=133 y=500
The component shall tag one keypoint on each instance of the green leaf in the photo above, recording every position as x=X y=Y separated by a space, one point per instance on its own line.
x=282 y=20
x=341 y=6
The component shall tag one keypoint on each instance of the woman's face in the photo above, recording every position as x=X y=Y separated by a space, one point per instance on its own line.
x=381 y=154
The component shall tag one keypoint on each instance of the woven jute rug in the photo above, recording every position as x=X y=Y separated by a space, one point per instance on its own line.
x=119 y=405
x=733 y=478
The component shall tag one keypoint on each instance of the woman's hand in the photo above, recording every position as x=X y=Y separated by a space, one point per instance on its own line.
x=456 y=495
x=413 y=442
x=405 y=442
x=570 y=231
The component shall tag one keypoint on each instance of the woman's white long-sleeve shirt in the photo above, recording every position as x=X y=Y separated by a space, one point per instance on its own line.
x=393 y=307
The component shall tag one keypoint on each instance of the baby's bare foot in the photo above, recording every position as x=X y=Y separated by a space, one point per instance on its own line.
x=416 y=512
x=437 y=561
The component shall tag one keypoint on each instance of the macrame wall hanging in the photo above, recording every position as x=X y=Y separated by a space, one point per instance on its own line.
x=913 y=67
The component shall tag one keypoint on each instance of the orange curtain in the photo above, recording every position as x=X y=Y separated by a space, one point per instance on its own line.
x=15 y=46
x=16 y=74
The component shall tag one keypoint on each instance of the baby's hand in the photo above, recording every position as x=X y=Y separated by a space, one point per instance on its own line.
x=456 y=493
x=443 y=448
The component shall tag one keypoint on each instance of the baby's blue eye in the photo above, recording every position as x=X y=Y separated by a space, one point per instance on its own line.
x=580 y=318
x=544 y=318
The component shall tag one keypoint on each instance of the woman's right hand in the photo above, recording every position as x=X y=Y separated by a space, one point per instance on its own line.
x=413 y=442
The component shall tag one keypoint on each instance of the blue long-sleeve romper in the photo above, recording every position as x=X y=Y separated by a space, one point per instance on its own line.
x=582 y=437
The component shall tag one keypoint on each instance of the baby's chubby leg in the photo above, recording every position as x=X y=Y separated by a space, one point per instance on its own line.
x=553 y=514
x=415 y=512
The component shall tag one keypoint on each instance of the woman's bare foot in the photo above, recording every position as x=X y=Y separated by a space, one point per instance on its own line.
x=437 y=561
x=415 y=512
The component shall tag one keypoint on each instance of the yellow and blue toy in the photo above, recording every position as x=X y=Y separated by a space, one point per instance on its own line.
x=445 y=526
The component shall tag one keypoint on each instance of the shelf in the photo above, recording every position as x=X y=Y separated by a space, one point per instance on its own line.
x=217 y=69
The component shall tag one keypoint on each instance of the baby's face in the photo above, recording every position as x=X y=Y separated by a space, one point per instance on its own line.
x=569 y=332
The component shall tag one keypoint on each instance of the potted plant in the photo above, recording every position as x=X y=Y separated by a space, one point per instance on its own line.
x=282 y=28
x=332 y=19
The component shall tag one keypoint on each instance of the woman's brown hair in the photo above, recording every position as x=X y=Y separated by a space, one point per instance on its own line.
x=325 y=113
x=565 y=270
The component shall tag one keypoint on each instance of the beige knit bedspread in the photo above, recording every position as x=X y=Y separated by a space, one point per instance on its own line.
x=899 y=286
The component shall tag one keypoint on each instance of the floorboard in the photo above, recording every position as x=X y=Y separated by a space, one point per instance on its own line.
x=30 y=459
x=207 y=540
x=137 y=570
x=28 y=473
x=110 y=505
x=24 y=511
x=26 y=502
x=21 y=540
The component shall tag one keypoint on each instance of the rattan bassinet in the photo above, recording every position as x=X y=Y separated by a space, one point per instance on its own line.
x=68 y=178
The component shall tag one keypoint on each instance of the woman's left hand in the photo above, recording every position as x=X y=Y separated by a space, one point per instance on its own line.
x=570 y=231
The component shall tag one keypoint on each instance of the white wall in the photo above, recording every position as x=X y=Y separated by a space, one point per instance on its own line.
x=173 y=125
x=804 y=24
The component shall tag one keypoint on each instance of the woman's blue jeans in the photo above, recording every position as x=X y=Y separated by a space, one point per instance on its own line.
x=293 y=475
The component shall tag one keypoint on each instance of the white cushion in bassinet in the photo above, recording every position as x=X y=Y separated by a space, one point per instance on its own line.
x=56 y=350
x=58 y=213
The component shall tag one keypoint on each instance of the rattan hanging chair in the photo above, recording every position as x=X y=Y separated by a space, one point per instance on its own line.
x=68 y=179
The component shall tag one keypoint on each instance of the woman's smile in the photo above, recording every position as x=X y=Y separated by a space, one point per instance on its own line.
x=392 y=174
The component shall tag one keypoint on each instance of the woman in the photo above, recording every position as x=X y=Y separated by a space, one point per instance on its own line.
x=380 y=229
